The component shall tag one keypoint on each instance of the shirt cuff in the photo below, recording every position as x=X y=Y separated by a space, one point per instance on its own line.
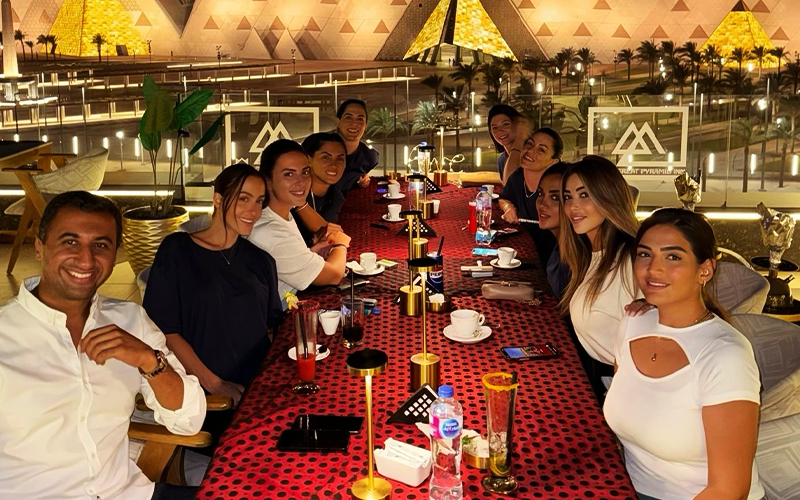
x=188 y=419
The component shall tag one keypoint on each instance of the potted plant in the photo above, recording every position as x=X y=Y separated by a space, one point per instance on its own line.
x=145 y=227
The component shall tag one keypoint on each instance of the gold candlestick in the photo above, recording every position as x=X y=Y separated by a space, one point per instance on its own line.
x=424 y=365
x=366 y=363
x=410 y=301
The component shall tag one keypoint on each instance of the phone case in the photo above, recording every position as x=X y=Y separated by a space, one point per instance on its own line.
x=313 y=440
x=328 y=423
x=539 y=351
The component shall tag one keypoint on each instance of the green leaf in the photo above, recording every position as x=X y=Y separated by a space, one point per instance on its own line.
x=158 y=115
x=190 y=108
x=150 y=142
x=149 y=88
x=210 y=133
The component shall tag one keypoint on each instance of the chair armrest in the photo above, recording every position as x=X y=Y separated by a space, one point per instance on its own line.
x=159 y=434
x=214 y=402
x=58 y=155
x=22 y=168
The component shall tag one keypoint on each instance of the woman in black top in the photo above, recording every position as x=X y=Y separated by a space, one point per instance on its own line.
x=361 y=159
x=213 y=293
x=518 y=198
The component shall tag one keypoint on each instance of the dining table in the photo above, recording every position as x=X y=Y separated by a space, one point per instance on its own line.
x=562 y=446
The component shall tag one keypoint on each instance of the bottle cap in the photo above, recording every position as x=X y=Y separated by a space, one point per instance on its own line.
x=445 y=391
x=483 y=188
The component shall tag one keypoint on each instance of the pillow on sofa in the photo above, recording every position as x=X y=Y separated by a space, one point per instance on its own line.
x=776 y=344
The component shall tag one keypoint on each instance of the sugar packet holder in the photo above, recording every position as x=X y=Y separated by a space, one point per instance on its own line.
x=403 y=462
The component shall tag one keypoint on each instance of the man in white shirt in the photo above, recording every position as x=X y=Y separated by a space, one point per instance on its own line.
x=71 y=363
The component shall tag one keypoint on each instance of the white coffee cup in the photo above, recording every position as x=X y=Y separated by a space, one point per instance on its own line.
x=505 y=255
x=466 y=322
x=329 y=321
x=394 y=211
x=436 y=206
x=367 y=261
x=489 y=188
x=394 y=189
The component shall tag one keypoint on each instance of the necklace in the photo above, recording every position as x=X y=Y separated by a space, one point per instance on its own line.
x=526 y=190
x=230 y=254
x=705 y=317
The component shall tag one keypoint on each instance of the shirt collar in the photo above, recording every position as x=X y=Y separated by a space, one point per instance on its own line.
x=39 y=310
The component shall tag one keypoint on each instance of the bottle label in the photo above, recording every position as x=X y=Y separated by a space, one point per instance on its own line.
x=445 y=427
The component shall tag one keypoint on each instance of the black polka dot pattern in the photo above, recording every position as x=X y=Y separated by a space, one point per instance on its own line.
x=563 y=448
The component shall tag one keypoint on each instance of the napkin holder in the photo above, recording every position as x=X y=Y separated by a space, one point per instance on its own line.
x=403 y=462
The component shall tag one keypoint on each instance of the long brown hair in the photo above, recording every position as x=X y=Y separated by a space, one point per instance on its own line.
x=612 y=196
x=702 y=242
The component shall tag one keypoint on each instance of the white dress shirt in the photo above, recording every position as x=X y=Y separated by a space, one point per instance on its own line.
x=64 y=418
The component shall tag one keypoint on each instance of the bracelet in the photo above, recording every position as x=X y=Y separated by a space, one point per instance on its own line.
x=161 y=365
x=304 y=206
x=339 y=245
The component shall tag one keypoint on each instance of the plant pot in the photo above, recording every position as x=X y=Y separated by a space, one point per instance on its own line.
x=142 y=236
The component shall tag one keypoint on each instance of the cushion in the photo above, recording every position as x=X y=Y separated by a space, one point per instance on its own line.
x=778 y=457
x=84 y=173
x=776 y=344
x=782 y=400
x=737 y=289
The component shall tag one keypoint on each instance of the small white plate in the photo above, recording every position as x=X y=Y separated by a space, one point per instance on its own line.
x=495 y=196
x=514 y=264
x=320 y=356
x=450 y=333
x=387 y=219
x=399 y=196
x=379 y=268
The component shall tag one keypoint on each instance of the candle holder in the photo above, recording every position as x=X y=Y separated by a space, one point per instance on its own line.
x=424 y=365
x=411 y=294
x=367 y=363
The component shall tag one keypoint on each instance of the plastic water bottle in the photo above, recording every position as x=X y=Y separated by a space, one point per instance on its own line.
x=446 y=419
x=483 y=214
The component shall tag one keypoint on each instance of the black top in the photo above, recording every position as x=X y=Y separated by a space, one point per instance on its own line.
x=360 y=162
x=501 y=163
x=517 y=193
x=558 y=274
x=222 y=310
x=327 y=206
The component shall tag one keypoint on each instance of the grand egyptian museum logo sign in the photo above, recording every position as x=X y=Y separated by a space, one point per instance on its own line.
x=649 y=140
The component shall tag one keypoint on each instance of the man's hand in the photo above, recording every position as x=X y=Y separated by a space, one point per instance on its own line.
x=339 y=238
x=363 y=181
x=112 y=342
x=225 y=388
x=523 y=131
x=333 y=228
x=510 y=214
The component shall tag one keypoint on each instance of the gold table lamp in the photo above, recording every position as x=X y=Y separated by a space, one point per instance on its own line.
x=410 y=295
x=366 y=363
x=424 y=365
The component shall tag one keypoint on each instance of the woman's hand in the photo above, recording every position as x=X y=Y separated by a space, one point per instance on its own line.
x=333 y=228
x=523 y=131
x=363 y=181
x=338 y=238
x=225 y=388
x=510 y=214
x=638 y=307
x=319 y=247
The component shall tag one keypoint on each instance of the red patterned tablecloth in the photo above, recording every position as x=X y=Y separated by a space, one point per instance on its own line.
x=563 y=447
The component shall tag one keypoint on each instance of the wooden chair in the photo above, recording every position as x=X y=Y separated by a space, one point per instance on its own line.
x=161 y=456
x=84 y=173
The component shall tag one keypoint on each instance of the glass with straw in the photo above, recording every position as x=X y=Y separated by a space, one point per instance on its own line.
x=352 y=317
x=500 y=390
x=305 y=327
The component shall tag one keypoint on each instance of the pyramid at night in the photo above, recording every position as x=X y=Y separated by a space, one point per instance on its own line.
x=740 y=29
x=78 y=21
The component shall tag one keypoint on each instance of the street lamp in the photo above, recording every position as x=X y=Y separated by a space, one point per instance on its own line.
x=120 y=135
x=591 y=84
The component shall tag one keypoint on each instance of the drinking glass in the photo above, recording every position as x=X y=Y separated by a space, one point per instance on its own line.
x=500 y=390
x=305 y=327
x=352 y=321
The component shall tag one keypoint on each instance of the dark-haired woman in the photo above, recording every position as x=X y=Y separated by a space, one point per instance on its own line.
x=213 y=293
x=518 y=198
x=548 y=201
x=508 y=130
x=284 y=163
x=361 y=159
x=685 y=398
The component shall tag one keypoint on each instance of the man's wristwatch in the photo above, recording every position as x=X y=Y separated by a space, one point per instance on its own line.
x=162 y=364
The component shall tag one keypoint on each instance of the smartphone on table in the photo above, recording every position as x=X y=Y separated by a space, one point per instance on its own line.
x=484 y=252
x=535 y=351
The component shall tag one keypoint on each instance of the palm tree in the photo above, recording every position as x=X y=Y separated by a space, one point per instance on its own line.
x=568 y=56
x=654 y=86
x=587 y=59
x=30 y=44
x=381 y=122
x=689 y=49
x=454 y=102
x=20 y=37
x=745 y=130
x=738 y=81
x=679 y=74
x=711 y=56
x=426 y=119
x=493 y=74
x=648 y=52
x=759 y=52
x=670 y=53
x=42 y=40
x=52 y=39
x=626 y=56
x=99 y=40
x=534 y=65
x=466 y=73
x=434 y=82
x=782 y=132
x=708 y=84
x=560 y=62
x=792 y=76
x=740 y=55
x=780 y=53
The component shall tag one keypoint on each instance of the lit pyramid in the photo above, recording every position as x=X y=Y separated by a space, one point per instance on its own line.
x=740 y=29
x=78 y=21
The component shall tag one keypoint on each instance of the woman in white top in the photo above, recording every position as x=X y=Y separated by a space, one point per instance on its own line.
x=685 y=398
x=286 y=168
x=597 y=204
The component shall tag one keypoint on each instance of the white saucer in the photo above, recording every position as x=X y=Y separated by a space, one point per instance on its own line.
x=514 y=264
x=399 y=196
x=379 y=268
x=320 y=356
x=449 y=332
x=495 y=196
x=387 y=219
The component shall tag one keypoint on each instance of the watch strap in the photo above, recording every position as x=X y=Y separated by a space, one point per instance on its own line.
x=162 y=363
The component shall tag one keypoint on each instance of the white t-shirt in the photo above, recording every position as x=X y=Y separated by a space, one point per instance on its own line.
x=597 y=325
x=297 y=265
x=659 y=420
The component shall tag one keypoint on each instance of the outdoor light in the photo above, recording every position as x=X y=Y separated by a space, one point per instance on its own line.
x=558 y=71
x=670 y=157
x=44 y=138
x=722 y=60
x=169 y=148
x=711 y=163
x=454 y=94
x=604 y=123
x=200 y=153
x=16 y=137
x=75 y=144
x=762 y=104
x=753 y=159
x=778 y=121
x=578 y=66
x=120 y=135
x=749 y=66
x=591 y=81
x=405 y=154
x=794 y=165
x=105 y=142
x=477 y=119
x=668 y=97
x=539 y=87
x=233 y=151
x=661 y=68
x=478 y=157
x=663 y=74
x=572 y=73
x=136 y=150
x=185 y=157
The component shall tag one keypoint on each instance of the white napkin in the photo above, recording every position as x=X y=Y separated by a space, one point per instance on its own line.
x=405 y=453
x=355 y=266
x=436 y=298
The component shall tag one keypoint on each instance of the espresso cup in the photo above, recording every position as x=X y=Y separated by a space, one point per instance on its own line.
x=367 y=261
x=394 y=211
x=505 y=255
x=489 y=188
x=394 y=189
x=466 y=322
x=436 y=206
x=329 y=321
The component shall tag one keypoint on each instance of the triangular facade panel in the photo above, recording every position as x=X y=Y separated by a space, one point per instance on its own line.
x=347 y=27
x=602 y=5
x=312 y=25
x=544 y=31
x=659 y=33
x=244 y=24
x=526 y=4
x=760 y=7
x=399 y=2
x=143 y=21
x=620 y=33
x=211 y=24
x=14 y=16
x=582 y=31
x=780 y=35
x=699 y=32
x=381 y=28
x=680 y=6
x=277 y=25
x=44 y=18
